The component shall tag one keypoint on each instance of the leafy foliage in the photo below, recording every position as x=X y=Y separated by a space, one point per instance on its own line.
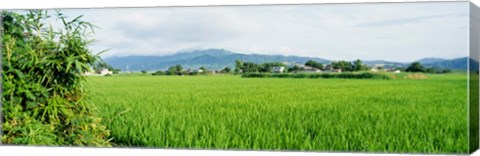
x=175 y=70
x=314 y=64
x=418 y=67
x=248 y=67
x=226 y=70
x=159 y=73
x=99 y=65
x=43 y=99
x=415 y=67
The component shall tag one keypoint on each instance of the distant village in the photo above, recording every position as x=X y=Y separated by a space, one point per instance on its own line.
x=310 y=66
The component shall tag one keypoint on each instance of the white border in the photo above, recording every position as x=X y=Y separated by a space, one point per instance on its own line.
x=77 y=151
x=73 y=151
x=47 y=4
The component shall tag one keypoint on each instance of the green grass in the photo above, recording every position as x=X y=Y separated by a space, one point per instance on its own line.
x=230 y=112
x=344 y=75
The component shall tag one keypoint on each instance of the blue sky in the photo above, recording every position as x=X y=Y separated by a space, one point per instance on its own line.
x=388 y=31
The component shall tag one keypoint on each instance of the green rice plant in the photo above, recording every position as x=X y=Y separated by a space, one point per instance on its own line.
x=43 y=96
x=345 y=75
x=235 y=113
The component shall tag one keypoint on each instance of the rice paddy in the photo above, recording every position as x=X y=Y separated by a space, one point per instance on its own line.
x=230 y=112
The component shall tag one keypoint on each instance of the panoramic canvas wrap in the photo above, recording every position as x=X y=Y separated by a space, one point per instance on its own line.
x=371 y=77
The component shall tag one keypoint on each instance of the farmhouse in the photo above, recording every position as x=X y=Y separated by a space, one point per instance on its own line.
x=105 y=71
x=278 y=69
x=311 y=69
x=333 y=70
x=393 y=70
x=102 y=72
x=336 y=70
x=198 y=71
x=329 y=68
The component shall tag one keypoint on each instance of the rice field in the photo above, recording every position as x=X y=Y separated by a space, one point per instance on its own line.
x=230 y=112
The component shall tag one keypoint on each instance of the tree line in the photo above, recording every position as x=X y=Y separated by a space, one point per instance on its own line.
x=248 y=67
x=418 y=67
x=251 y=67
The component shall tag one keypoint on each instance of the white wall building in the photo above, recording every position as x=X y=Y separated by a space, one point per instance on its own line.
x=278 y=69
x=105 y=71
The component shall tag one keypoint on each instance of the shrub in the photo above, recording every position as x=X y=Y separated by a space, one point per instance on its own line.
x=43 y=99
x=256 y=75
x=159 y=73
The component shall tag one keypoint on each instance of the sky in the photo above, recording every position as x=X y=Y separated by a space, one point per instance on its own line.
x=402 y=32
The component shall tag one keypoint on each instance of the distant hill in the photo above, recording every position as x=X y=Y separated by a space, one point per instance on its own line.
x=430 y=60
x=210 y=59
x=219 y=58
x=458 y=63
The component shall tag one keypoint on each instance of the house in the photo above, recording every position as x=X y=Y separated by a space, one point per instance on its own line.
x=393 y=70
x=336 y=70
x=278 y=69
x=105 y=71
x=329 y=68
x=198 y=71
x=389 y=69
x=311 y=69
x=102 y=72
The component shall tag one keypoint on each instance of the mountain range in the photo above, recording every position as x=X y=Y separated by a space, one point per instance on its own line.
x=216 y=59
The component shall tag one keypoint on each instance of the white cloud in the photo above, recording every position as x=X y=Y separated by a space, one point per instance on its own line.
x=389 y=31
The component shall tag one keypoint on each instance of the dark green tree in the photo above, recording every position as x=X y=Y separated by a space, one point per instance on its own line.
x=267 y=66
x=359 y=66
x=226 y=70
x=175 y=70
x=238 y=66
x=314 y=64
x=115 y=71
x=344 y=65
x=203 y=69
x=159 y=73
x=415 y=67
x=295 y=68
x=179 y=67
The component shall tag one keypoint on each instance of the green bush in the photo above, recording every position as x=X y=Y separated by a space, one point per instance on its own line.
x=43 y=99
x=159 y=73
